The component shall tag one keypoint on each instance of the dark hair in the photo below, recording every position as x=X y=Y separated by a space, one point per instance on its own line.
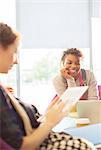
x=7 y=36
x=72 y=51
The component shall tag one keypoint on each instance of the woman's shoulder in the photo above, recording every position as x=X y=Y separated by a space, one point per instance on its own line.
x=89 y=75
x=87 y=71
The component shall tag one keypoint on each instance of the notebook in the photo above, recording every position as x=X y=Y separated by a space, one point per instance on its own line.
x=89 y=109
x=90 y=132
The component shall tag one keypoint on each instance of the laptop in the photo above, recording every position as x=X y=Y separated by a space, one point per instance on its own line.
x=89 y=132
x=89 y=109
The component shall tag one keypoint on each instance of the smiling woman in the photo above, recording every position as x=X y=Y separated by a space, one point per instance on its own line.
x=71 y=74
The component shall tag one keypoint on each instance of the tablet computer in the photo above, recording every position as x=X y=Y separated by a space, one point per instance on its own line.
x=72 y=95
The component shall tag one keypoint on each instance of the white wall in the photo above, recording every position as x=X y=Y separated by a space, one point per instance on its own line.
x=96 y=8
x=8 y=12
x=54 y=23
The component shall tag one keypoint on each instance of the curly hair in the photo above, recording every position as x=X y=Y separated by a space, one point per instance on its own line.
x=72 y=51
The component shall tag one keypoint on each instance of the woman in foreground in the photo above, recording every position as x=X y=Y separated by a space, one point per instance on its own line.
x=21 y=124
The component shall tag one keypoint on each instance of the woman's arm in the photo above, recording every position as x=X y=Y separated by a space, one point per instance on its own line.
x=60 y=84
x=52 y=117
x=32 y=141
x=13 y=134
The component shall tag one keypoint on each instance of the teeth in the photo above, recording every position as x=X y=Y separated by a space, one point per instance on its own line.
x=72 y=71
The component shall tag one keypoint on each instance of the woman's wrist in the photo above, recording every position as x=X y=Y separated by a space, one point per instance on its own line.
x=48 y=124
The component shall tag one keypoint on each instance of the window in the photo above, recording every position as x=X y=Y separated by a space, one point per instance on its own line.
x=37 y=67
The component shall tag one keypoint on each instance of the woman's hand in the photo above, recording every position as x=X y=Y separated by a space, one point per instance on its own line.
x=55 y=112
x=65 y=73
x=10 y=89
x=54 y=100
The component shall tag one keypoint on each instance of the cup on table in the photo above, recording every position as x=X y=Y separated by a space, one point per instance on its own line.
x=80 y=122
